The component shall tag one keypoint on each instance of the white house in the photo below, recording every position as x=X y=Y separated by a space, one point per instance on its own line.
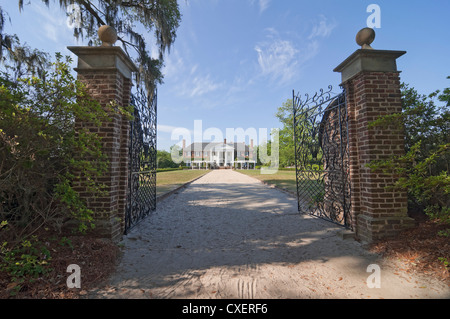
x=209 y=155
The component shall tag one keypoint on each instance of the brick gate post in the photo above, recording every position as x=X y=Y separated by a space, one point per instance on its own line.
x=372 y=85
x=107 y=73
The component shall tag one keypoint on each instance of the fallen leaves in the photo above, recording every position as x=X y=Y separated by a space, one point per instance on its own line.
x=418 y=249
x=97 y=259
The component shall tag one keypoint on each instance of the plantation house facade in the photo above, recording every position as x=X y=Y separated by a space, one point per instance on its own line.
x=210 y=155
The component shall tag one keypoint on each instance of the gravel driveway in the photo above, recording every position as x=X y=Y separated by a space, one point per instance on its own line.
x=227 y=235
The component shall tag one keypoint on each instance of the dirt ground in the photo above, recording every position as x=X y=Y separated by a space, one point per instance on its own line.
x=227 y=235
x=230 y=236
x=97 y=259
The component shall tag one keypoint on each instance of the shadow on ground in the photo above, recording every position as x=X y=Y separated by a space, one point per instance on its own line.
x=242 y=239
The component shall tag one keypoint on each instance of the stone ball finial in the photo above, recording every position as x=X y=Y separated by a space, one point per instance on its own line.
x=107 y=35
x=365 y=37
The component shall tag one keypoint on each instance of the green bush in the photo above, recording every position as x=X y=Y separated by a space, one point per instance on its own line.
x=424 y=169
x=40 y=150
x=29 y=259
x=168 y=169
x=164 y=160
x=25 y=261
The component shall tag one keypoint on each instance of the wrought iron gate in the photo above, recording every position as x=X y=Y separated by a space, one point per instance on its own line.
x=322 y=157
x=141 y=198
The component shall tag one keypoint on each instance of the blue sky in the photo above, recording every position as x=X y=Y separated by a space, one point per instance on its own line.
x=235 y=61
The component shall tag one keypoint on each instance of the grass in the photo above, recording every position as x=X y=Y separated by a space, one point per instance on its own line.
x=311 y=183
x=168 y=181
x=281 y=179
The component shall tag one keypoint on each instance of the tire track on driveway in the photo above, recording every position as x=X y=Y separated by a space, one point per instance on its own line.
x=227 y=235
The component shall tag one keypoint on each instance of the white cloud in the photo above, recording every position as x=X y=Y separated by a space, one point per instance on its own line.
x=322 y=29
x=51 y=31
x=173 y=65
x=165 y=128
x=310 y=51
x=188 y=80
x=53 y=22
x=200 y=85
x=277 y=59
x=194 y=68
x=168 y=128
x=281 y=59
x=191 y=83
x=262 y=4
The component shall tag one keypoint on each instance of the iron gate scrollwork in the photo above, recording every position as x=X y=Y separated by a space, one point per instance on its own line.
x=141 y=198
x=322 y=156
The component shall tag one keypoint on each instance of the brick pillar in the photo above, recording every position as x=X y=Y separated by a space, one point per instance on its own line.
x=107 y=73
x=372 y=84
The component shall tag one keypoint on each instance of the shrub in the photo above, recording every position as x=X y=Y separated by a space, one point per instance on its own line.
x=40 y=150
x=424 y=169
x=168 y=169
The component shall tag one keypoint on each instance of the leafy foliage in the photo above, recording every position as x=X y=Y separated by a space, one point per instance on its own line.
x=24 y=262
x=164 y=160
x=310 y=144
x=23 y=60
x=40 y=150
x=42 y=156
x=160 y=17
x=286 y=134
x=424 y=170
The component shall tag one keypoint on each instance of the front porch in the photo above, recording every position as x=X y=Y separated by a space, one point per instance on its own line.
x=202 y=164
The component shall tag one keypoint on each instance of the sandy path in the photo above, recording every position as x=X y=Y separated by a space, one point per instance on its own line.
x=229 y=236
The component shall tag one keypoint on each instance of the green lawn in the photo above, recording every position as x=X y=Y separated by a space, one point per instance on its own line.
x=167 y=181
x=282 y=179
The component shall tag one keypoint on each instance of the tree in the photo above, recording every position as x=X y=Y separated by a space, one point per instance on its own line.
x=309 y=143
x=286 y=134
x=20 y=60
x=424 y=170
x=164 y=160
x=162 y=17
x=176 y=154
x=40 y=150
